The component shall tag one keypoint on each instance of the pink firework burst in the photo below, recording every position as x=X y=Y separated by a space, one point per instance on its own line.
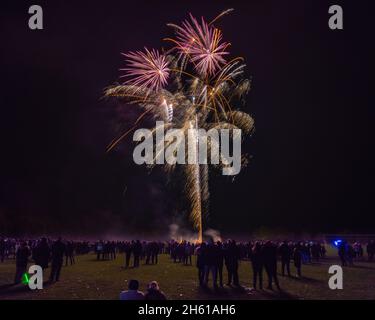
x=148 y=69
x=203 y=44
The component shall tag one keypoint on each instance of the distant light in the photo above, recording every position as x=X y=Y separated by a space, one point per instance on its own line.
x=25 y=278
x=337 y=242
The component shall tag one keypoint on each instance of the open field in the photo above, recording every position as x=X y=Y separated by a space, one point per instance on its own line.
x=91 y=279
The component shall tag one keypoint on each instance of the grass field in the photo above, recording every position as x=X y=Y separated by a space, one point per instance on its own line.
x=91 y=279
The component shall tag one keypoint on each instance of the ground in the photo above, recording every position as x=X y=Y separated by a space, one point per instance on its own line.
x=91 y=279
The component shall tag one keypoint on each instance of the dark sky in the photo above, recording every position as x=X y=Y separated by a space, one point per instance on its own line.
x=313 y=155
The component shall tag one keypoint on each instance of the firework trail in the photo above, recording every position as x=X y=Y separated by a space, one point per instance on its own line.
x=193 y=85
x=193 y=184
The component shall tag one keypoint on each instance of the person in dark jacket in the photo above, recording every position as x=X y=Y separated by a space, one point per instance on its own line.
x=154 y=293
x=342 y=251
x=285 y=253
x=2 y=250
x=220 y=262
x=69 y=253
x=137 y=251
x=211 y=263
x=231 y=258
x=297 y=258
x=41 y=253
x=128 y=252
x=57 y=254
x=257 y=265
x=201 y=262
x=370 y=248
x=22 y=256
x=270 y=264
x=99 y=249
x=155 y=253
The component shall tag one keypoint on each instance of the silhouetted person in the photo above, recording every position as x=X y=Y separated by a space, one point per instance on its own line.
x=148 y=250
x=132 y=293
x=69 y=253
x=57 y=254
x=99 y=250
x=154 y=293
x=358 y=250
x=350 y=255
x=106 y=251
x=315 y=251
x=220 y=262
x=211 y=264
x=128 y=251
x=270 y=263
x=154 y=252
x=201 y=257
x=112 y=250
x=323 y=251
x=257 y=265
x=285 y=253
x=2 y=250
x=370 y=248
x=22 y=256
x=137 y=251
x=41 y=253
x=231 y=262
x=308 y=252
x=297 y=258
x=188 y=253
x=342 y=253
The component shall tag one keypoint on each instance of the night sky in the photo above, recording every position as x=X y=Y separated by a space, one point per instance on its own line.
x=312 y=152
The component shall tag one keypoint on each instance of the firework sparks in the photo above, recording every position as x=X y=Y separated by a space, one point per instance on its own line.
x=202 y=43
x=147 y=69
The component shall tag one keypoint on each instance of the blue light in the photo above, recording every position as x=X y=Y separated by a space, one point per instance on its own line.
x=337 y=242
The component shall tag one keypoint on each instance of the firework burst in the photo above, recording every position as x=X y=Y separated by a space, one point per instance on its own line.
x=148 y=69
x=203 y=45
x=205 y=98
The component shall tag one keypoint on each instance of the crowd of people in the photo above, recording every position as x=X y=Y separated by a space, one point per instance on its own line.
x=349 y=252
x=43 y=252
x=263 y=255
x=212 y=258
x=145 y=250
